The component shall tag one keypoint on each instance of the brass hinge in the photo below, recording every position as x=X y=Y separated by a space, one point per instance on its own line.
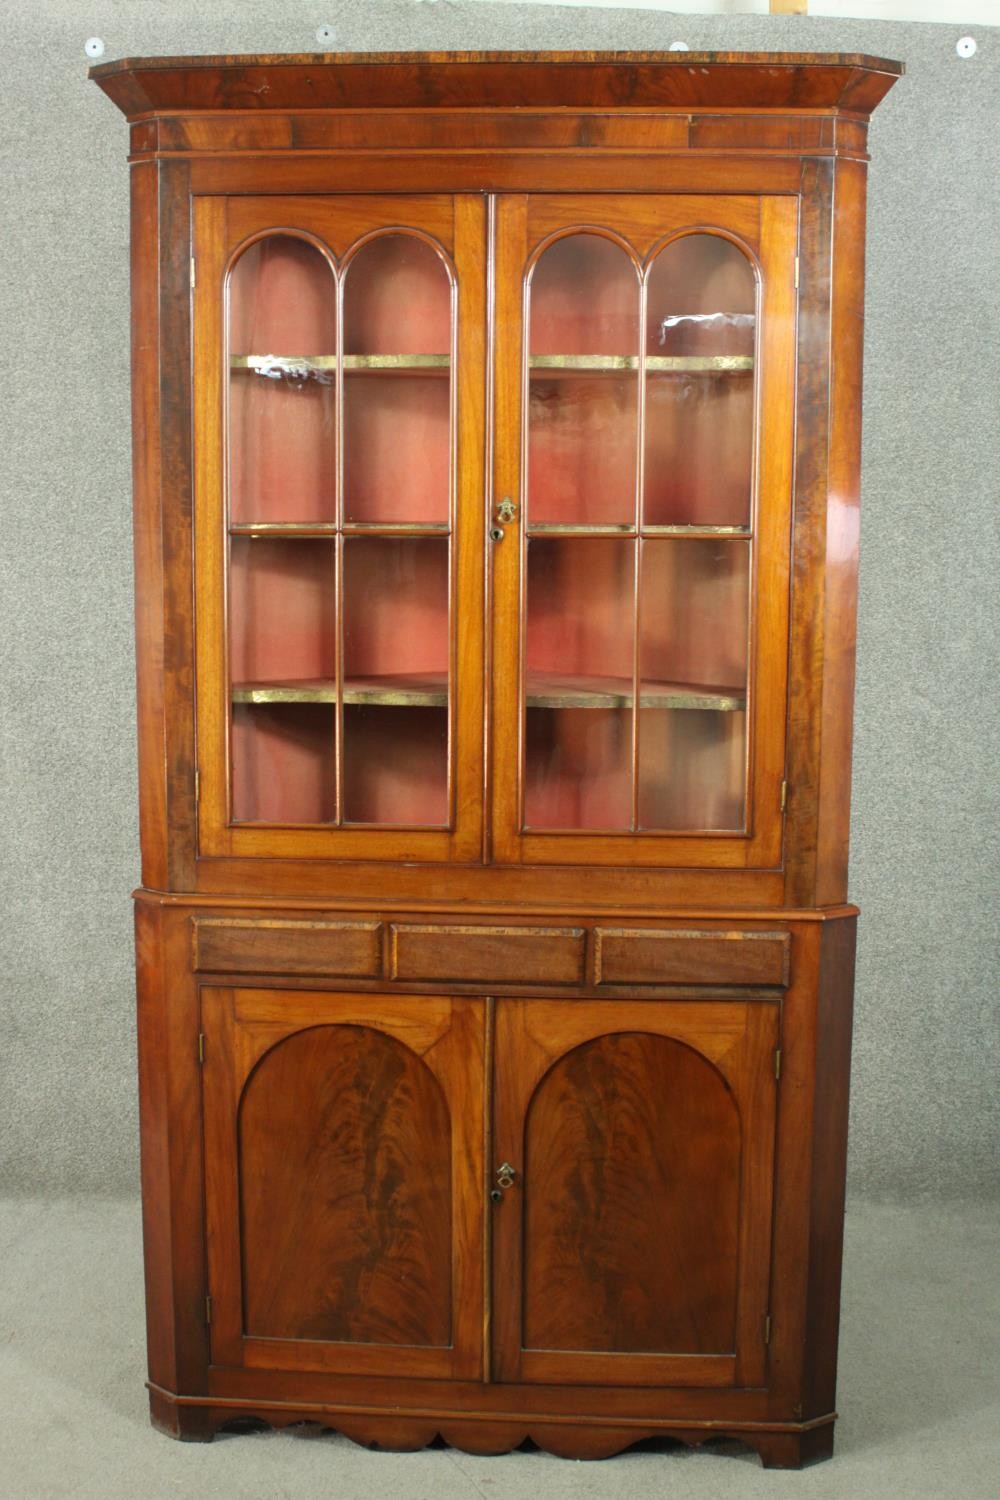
x=784 y=795
x=193 y=274
x=197 y=786
x=201 y=1046
x=767 y=1329
x=777 y=1063
x=796 y=272
x=208 y=1309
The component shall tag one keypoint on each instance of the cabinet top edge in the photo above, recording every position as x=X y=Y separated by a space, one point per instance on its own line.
x=471 y=80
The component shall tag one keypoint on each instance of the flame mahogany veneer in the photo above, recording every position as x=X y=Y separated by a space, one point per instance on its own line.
x=462 y=1124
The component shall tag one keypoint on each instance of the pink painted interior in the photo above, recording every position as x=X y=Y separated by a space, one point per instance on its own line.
x=395 y=606
x=282 y=615
x=584 y=298
x=700 y=298
x=282 y=436
x=397 y=298
x=692 y=769
x=694 y=612
x=282 y=431
x=283 y=764
x=578 y=761
x=396 y=624
x=578 y=768
x=397 y=448
x=282 y=299
x=395 y=765
x=582 y=449
x=699 y=449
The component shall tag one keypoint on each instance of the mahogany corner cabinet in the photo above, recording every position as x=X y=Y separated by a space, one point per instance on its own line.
x=496 y=519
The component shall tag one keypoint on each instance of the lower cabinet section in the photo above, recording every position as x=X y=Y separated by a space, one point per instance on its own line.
x=352 y=1212
x=566 y=1215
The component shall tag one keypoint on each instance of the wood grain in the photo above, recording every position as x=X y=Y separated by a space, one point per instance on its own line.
x=631 y=1201
x=345 y=1147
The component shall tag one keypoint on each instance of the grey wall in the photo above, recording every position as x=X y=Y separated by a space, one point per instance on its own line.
x=925 y=1099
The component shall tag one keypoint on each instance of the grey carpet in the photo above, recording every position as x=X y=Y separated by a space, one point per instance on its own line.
x=920 y=1376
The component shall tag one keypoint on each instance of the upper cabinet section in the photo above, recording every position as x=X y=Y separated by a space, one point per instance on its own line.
x=496 y=479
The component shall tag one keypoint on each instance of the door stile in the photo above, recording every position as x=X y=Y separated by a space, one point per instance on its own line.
x=769 y=644
x=468 y=522
x=489 y=1054
x=508 y=555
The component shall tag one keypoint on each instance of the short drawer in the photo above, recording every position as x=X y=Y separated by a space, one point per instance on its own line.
x=647 y=955
x=493 y=955
x=233 y=946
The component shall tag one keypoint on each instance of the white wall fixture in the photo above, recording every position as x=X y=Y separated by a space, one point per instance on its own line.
x=94 y=47
x=966 y=46
x=679 y=47
x=325 y=35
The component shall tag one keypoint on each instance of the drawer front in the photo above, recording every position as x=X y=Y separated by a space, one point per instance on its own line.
x=646 y=955
x=229 y=946
x=495 y=955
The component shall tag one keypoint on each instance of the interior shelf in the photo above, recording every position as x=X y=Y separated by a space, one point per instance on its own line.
x=545 y=690
x=327 y=529
x=626 y=529
x=555 y=365
x=321 y=366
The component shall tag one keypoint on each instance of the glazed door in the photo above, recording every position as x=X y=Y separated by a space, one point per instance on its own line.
x=339 y=401
x=344 y=1169
x=633 y=1156
x=644 y=378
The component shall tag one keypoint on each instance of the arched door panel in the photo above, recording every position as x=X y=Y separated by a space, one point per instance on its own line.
x=633 y=1244
x=344 y=1137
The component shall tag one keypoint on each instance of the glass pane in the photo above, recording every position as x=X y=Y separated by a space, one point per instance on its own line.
x=282 y=654
x=283 y=763
x=396 y=680
x=583 y=384
x=578 y=732
x=397 y=384
x=700 y=340
x=693 y=653
x=282 y=352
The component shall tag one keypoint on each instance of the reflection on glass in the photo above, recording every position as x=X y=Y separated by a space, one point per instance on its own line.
x=583 y=384
x=397 y=383
x=700 y=340
x=283 y=347
x=579 y=665
x=396 y=676
x=693 y=651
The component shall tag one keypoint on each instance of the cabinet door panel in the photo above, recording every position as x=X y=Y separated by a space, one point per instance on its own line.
x=640 y=579
x=633 y=1245
x=344 y=1160
x=339 y=416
